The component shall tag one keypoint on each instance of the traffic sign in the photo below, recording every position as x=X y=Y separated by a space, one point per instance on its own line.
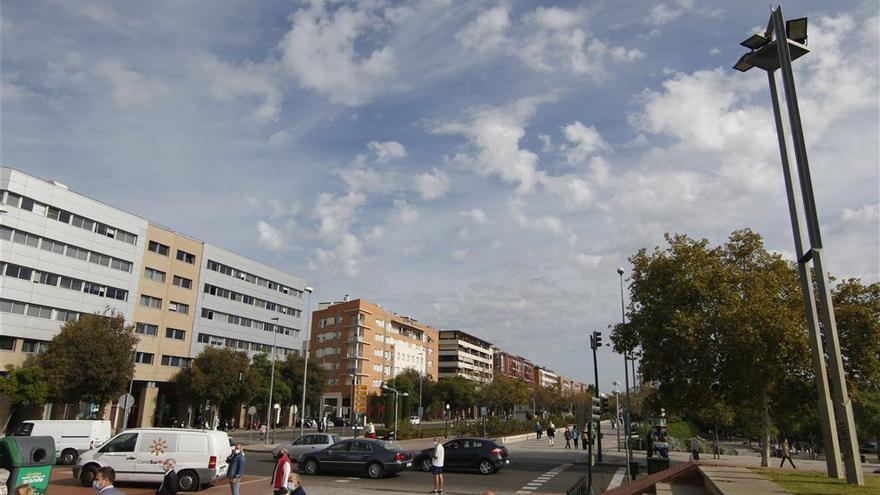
x=362 y=388
x=126 y=401
x=252 y=411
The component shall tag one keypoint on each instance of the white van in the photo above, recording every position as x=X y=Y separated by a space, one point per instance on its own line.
x=71 y=436
x=138 y=454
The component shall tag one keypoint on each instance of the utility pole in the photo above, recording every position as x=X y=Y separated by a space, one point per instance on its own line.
x=595 y=342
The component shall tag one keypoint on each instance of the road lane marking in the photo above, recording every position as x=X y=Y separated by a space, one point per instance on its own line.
x=617 y=479
x=536 y=483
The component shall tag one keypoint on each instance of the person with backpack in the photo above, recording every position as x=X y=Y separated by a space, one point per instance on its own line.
x=539 y=430
x=551 y=433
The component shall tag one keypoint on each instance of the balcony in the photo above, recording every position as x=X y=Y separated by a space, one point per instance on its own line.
x=362 y=357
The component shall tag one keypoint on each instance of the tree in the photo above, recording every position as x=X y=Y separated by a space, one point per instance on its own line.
x=503 y=393
x=24 y=386
x=457 y=391
x=292 y=374
x=217 y=375
x=90 y=359
x=259 y=384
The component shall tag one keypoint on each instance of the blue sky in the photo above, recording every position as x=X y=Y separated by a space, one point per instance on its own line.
x=477 y=165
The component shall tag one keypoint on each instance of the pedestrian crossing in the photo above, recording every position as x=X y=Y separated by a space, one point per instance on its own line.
x=536 y=483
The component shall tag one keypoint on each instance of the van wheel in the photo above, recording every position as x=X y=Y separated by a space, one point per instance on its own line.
x=188 y=481
x=87 y=475
x=69 y=456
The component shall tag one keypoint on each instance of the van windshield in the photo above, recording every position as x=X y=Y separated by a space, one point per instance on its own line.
x=22 y=430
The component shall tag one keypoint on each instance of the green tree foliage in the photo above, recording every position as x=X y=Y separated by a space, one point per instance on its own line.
x=218 y=375
x=459 y=392
x=90 y=359
x=24 y=386
x=504 y=393
x=259 y=384
x=720 y=328
x=292 y=374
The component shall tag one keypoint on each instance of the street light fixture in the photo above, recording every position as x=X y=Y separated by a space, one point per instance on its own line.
x=446 y=423
x=628 y=415
x=272 y=378
x=835 y=416
x=396 y=394
x=302 y=421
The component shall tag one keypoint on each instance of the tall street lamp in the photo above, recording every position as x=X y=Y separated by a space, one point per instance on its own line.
x=628 y=414
x=775 y=49
x=396 y=394
x=302 y=423
x=351 y=404
x=446 y=423
x=272 y=378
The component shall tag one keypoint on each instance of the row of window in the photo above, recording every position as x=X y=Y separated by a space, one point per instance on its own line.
x=28 y=346
x=254 y=279
x=18 y=201
x=163 y=250
x=30 y=309
x=153 y=330
x=242 y=345
x=156 y=303
x=46 y=244
x=55 y=280
x=253 y=301
x=175 y=361
x=159 y=276
x=211 y=314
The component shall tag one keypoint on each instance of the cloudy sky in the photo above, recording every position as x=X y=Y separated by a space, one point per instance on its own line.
x=477 y=165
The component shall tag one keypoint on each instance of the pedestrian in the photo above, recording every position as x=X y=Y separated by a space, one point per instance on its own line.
x=567 y=435
x=437 y=460
x=294 y=485
x=786 y=454
x=575 y=435
x=236 y=468
x=24 y=489
x=584 y=435
x=695 y=449
x=281 y=473
x=371 y=430
x=169 y=481
x=551 y=433
x=103 y=483
x=263 y=431
x=539 y=430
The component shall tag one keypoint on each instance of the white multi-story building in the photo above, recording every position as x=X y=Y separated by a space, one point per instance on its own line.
x=546 y=378
x=462 y=354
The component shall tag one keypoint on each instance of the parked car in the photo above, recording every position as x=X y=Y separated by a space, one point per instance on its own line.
x=71 y=436
x=414 y=420
x=306 y=443
x=138 y=455
x=482 y=454
x=375 y=458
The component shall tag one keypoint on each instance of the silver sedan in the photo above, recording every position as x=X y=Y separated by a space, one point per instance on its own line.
x=306 y=443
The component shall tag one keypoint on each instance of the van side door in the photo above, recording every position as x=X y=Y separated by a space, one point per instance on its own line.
x=119 y=453
x=153 y=449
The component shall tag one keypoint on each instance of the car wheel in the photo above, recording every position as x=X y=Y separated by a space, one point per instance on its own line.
x=188 y=481
x=87 y=475
x=375 y=470
x=311 y=467
x=68 y=456
x=426 y=465
x=486 y=467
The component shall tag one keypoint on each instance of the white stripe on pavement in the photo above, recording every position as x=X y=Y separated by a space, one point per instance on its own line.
x=540 y=480
x=617 y=479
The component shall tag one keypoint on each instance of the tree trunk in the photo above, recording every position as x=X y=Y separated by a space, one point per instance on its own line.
x=765 y=430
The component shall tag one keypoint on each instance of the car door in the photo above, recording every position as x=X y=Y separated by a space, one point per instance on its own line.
x=119 y=453
x=452 y=454
x=357 y=456
x=469 y=454
x=153 y=448
x=299 y=446
x=334 y=458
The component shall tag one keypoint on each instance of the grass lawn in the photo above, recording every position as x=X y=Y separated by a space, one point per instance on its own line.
x=815 y=483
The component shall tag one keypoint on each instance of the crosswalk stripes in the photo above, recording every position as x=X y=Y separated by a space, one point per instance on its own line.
x=617 y=479
x=536 y=483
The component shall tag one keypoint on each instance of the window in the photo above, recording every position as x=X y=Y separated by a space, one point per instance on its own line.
x=16 y=271
x=150 y=301
x=39 y=311
x=12 y=199
x=182 y=282
x=186 y=257
x=33 y=346
x=120 y=294
x=178 y=307
x=7 y=343
x=176 y=361
x=5 y=233
x=64 y=315
x=143 y=357
x=125 y=442
x=99 y=259
x=71 y=283
x=14 y=307
x=207 y=313
x=204 y=338
x=25 y=238
x=158 y=248
x=146 y=329
x=52 y=246
x=154 y=275
x=27 y=204
x=173 y=333
x=78 y=253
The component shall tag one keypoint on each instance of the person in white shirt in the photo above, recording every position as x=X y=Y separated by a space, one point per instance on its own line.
x=437 y=460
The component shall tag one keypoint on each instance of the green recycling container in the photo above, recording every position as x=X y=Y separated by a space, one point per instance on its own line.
x=657 y=464
x=29 y=461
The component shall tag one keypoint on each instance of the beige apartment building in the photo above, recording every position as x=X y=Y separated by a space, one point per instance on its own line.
x=360 y=343
x=462 y=354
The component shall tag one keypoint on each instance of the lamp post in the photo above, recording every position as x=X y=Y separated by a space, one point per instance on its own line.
x=627 y=414
x=396 y=394
x=302 y=421
x=780 y=44
x=446 y=422
x=272 y=379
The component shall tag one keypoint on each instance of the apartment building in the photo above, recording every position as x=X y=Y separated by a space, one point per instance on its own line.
x=462 y=354
x=546 y=378
x=360 y=343
x=570 y=386
x=506 y=364
x=63 y=254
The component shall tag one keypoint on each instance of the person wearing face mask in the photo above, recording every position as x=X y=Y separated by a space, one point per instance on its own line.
x=236 y=468
x=281 y=473
x=103 y=483
x=169 y=481
x=294 y=485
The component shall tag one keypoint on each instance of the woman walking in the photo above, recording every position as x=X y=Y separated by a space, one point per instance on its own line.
x=551 y=433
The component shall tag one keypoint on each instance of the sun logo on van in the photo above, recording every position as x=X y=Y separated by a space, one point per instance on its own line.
x=158 y=447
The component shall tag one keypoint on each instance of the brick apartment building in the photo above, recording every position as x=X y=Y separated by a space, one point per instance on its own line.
x=506 y=364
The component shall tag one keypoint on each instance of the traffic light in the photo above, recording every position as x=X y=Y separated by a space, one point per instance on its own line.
x=596 y=340
x=595 y=408
x=603 y=400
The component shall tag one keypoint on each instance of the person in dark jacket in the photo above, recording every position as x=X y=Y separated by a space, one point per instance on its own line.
x=294 y=485
x=169 y=482
x=236 y=468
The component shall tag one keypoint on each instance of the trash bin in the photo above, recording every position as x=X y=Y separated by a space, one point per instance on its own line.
x=634 y=468
x=29 y=461
x=657 y=464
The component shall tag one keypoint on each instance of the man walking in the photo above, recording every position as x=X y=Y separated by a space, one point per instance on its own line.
x=567 y=435
x=786 y=454
x=103 y=484
x=281 y=473
x=236 y=468
x=169 y=481
x=551 y=433
x=437 y=460
x=584 y=438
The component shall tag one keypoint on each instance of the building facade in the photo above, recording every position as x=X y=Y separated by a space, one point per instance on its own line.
x=359 y=343
x=546 y=378
x=63 y=254
x=462 y=354
x=513 y=366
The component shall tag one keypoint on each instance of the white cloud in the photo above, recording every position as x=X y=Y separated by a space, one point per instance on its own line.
x=867 y=214
x=586 y=141
x=269 y=237
x=662 y=14
x=320 y=52
x=228 y=82
x=128 y=87
x=344 y=260
x=475 y=214
x=335 y=214
x=486 y=32
x=358 y=176
x=432 y=185
x=586 y=260
x=404 y=213
x=460 y=254
x=387 y=150
x=279 y=137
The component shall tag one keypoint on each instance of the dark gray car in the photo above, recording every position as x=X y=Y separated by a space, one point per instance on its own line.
x=375 y=458
x=306 y=443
